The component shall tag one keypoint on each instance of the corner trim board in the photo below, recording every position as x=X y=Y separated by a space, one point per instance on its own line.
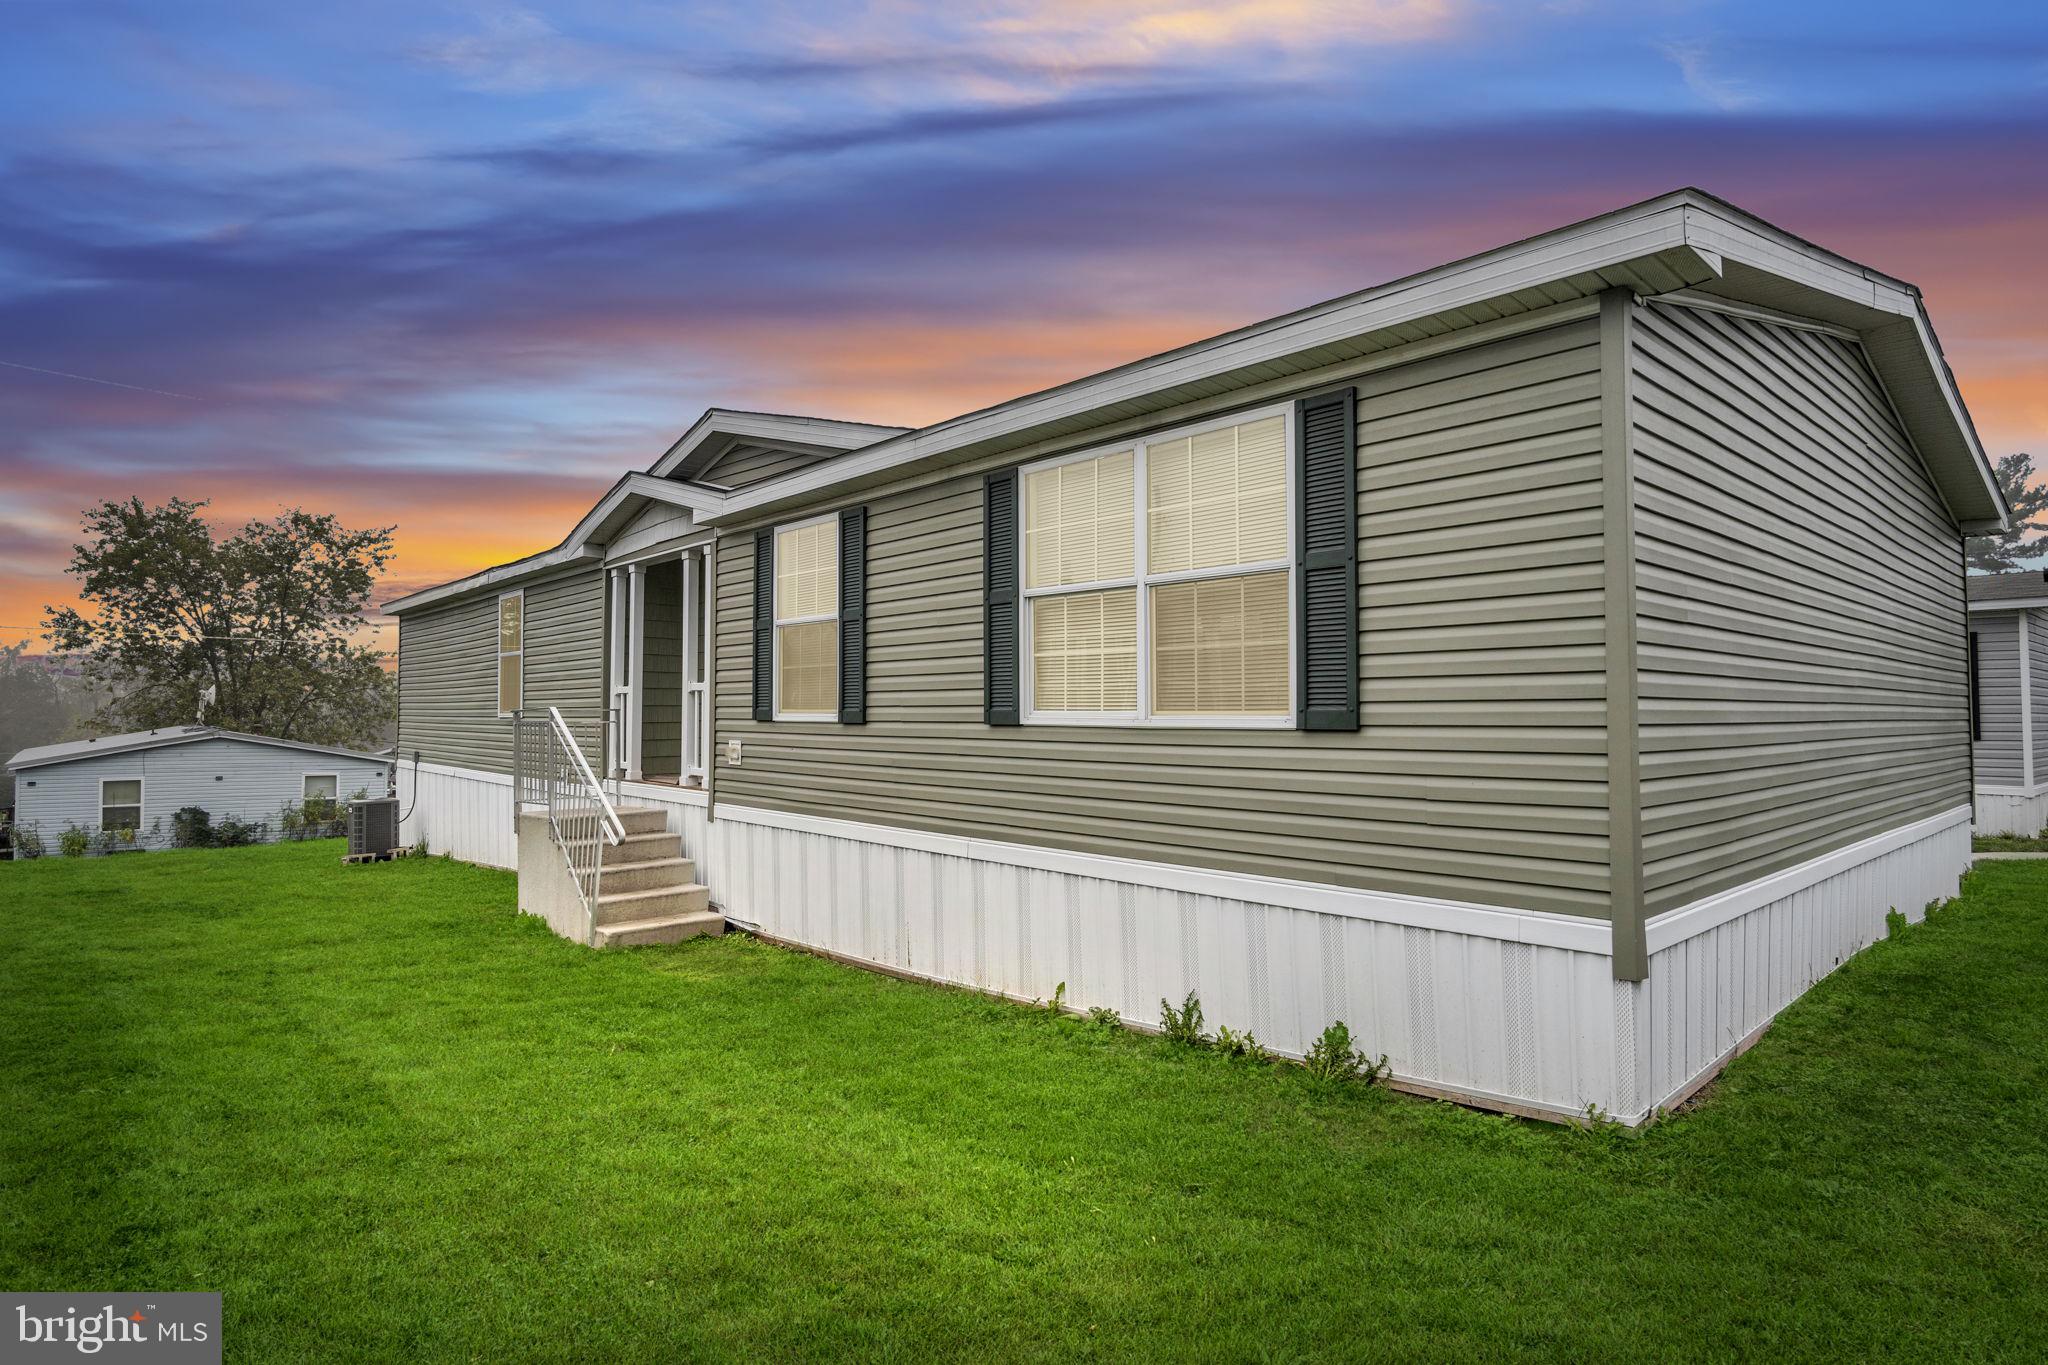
x=1618 y=602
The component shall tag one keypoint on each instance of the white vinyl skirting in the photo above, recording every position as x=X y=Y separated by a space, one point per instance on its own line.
x=2005 y=811
x=1498 y=1007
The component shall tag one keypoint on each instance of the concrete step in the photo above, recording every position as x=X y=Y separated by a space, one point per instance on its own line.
x=647 y=874
x=659 y=929
x=643 y=848
x=618 y=907
x=643 y=819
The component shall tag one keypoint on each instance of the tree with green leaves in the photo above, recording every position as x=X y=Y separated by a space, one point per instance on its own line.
x=37 y=706
x=265 y=618
x=2029 y=503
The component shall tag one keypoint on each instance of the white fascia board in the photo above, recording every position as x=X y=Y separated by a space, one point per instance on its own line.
x=2009 y=603
x=577 y=547
x=1736 y=236
x=1655 y=229
x=769 y=428
x=497 y=576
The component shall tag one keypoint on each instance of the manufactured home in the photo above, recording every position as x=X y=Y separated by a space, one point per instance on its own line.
x=2009 y=700
x=1549 y=664
x=125 y=791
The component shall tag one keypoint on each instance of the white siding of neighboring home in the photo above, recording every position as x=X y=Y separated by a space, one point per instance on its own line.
x=1997 y=755
x=228 y=778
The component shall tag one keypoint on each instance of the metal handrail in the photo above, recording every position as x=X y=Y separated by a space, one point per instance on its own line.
x=614 y=828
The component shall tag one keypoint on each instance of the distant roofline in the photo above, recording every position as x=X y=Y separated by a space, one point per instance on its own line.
x=69 y=751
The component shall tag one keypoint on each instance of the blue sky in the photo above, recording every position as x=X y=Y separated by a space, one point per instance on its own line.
x=457 y=266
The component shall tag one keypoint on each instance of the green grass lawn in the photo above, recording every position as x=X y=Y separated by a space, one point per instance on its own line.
x=391 y=1119
x=2010 y=843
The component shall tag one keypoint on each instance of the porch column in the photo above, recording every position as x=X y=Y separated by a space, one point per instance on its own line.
x=615 y=677
x=693 y=690
x=636 y=663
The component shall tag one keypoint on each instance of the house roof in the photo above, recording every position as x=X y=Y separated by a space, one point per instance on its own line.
x=617 y=507
x=161 y=738
x=720 y=429
x=1992 y=591
x=1686 y=245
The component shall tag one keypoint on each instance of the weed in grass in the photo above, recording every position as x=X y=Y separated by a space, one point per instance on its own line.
x=1231 y=1043
x=1183 y=1025
x=1332 y=1058
x=1105 y=1018
x=1895 y=924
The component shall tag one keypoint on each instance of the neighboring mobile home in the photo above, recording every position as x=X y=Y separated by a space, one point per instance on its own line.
x=2009 y=700
x=123 y=791
x=1549 y=664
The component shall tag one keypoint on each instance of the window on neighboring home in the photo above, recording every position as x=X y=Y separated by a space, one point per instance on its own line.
x=323 y=787
x=1158 y=580
x=807 y=620
x=1976 y=702
x=511 y=652
x=121 y=803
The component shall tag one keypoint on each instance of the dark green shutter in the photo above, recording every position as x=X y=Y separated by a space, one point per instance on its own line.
x=1001 y=703
x=1326 y=470
x=853 y=616
x=764 y=625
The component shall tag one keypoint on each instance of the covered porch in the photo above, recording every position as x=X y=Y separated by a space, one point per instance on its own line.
x=657 y=699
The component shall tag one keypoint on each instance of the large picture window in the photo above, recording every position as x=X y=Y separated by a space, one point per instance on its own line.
x=1158 y=580
x=511 y=652
x=807 y=620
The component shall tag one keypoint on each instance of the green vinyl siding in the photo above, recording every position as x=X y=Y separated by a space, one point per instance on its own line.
x=661 y=714
x=1803 y=672
x=448 y=669
x=1479 y=770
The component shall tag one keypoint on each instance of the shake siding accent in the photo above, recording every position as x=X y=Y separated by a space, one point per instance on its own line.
x=447 y=675
x=2037 y=689
x=1479 y=770
x=661 y=717
x=655 y=523
x=1800 y=605
x=1997 y=757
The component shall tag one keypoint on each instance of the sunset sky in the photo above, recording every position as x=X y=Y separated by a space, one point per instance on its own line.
x=456 y=267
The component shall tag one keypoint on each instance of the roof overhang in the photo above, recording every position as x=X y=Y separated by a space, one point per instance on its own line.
x=620 y=504
x=720 y=429
x=1684 y=241
x=2009 y=603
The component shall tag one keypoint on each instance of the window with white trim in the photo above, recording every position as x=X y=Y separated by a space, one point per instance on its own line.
x=807 y=620
x=121 y=803
x=323 y=787
x=1158 y=579
x=511 y=651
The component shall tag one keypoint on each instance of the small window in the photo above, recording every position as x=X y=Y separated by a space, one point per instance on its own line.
x=323 y=786
x=511 y=651
x=807 y=620
x=1976 y=701
x=121 y=804
x=1159 y=580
